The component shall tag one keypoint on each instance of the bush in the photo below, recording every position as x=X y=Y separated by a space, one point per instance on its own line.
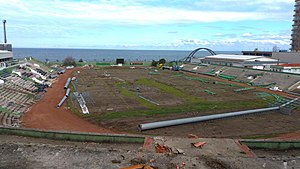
x=162 y=61
x=80 y=60
x=154 y=63
x=69 y=61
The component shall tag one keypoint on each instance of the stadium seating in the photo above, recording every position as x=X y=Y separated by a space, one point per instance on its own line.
x=259 y=77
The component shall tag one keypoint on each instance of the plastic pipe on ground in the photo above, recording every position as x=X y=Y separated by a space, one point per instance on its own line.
x=68 y=92
x=67 y=83
x=62 y=101
x=157 y=104
x=289 y=102
x=154 y=125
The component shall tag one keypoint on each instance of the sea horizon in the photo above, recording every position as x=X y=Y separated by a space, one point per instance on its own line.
x=107 y=55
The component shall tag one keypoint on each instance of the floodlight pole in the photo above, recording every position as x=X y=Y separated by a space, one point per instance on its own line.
x=4 y=22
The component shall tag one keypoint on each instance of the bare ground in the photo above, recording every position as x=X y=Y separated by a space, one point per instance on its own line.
x=105 y=98
x=45 y=115
x=31 y=153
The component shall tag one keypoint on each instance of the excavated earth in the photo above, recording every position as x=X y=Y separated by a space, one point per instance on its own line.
x=32 y=153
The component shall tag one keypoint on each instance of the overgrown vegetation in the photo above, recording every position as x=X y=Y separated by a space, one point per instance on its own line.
x=168 y=89
x=200 y=109
x=192 y=103
x=123 y=88
x=69 y=61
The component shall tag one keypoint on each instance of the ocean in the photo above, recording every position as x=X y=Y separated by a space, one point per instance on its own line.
x=106 y=55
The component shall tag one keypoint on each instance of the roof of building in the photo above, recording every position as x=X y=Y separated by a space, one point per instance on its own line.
x=289 y=65
x=258 y=53
x=5 y=54
x=4 y=51
x=241 y=58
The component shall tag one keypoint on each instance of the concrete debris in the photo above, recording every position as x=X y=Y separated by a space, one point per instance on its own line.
x=159 y=148
x=177 y=150
x=182 y=165
x=192 y=136
x=199 y=144
x=136 y=161
x=162 y=149
x=116 y=161
x=180 y=151
x=139 y=166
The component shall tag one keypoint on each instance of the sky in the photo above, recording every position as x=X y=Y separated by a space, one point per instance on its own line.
x=222 y=25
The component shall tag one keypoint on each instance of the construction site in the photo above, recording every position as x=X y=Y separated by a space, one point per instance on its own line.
x=220 y=112
x=135 y=117
x=185 y=116
x=142 y=95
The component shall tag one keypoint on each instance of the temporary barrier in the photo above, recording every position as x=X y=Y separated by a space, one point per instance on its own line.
x=73 y=136
x=271 y=144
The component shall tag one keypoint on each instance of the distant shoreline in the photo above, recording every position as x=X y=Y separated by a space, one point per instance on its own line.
x=106 y=55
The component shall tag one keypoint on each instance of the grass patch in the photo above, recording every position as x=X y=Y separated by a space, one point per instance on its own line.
x=122 y=86
x=193 y=104
x=203 y=107
x=72 y=107
x=168 y=89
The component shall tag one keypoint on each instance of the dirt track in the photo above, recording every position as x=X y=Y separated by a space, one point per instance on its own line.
x=45 y=115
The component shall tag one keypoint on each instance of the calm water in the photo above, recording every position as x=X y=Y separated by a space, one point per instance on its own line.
x=106 y=54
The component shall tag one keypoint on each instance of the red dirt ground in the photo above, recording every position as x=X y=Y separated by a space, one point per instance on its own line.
x=290 y=136
x=45 y=115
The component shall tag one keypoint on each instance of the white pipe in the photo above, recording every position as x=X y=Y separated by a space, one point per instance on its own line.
x=154 y=125
x=68 y=92
x=148 y=126
x=157 y=104
x=62 y=101
x=285 y=104
x=67 y=83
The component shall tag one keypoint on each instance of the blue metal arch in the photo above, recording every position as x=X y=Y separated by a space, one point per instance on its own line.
x=191 y=55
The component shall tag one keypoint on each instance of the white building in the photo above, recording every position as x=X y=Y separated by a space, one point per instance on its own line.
x=4 y=57
x=287 y=68
x=249 y=61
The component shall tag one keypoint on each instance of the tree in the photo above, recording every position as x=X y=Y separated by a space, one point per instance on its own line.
x=275 y=48
x=80 y=60
x=162 y=61
x=69 y=61
x=154 y=63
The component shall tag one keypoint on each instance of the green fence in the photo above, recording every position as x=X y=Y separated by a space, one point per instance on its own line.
x=154 y=73
x=103 y=64
x=72 y=136
x=227 y=77
x=244 y=89
x=196 y=79
x=210 y=92
x=211 y=73
x=225 y=84
x=269 y=144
